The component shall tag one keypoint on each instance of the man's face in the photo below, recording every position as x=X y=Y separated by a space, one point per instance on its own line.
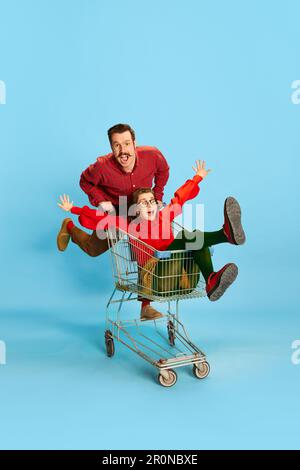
x=123 y=148
x=147 y=206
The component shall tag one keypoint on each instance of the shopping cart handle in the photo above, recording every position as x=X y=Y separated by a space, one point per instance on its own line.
x=168 y=254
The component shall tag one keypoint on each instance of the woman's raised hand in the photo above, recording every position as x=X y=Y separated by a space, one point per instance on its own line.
x=200 y=169
x=65 y=205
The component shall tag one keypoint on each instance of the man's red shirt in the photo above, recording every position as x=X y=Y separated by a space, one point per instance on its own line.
x=105 y=180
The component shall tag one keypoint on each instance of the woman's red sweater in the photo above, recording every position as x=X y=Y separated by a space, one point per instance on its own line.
x=158 y=233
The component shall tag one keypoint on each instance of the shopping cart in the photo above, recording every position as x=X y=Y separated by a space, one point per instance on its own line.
x=164 y=276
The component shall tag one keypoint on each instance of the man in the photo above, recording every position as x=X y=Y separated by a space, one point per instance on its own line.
x=110 y=183
x=116 y=175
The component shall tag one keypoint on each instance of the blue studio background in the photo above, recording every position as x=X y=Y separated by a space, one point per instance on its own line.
x=197 y=79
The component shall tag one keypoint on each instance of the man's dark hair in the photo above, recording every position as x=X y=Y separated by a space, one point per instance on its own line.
x=119 y=129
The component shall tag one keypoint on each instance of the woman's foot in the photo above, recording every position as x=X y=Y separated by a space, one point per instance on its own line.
x=232 y=222
x=63 y=236
x=149 y=313
x=220 y=281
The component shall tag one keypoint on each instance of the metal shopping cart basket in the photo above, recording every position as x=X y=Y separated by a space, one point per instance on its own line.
x=164 y=276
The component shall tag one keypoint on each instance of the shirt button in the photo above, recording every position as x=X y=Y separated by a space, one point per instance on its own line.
x=133 y=185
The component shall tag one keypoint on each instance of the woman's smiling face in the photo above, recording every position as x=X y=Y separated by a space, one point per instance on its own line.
x=147 y=206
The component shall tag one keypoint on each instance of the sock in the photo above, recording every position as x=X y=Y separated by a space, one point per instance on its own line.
x=70 y=225
x=145 y=302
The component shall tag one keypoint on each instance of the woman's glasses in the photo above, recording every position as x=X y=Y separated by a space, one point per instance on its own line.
x=145 y=203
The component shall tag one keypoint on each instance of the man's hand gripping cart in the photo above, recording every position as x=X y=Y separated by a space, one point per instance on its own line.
x=162 y=276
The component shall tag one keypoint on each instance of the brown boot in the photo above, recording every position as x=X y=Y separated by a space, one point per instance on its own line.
x=63 y=236
x=149 y=313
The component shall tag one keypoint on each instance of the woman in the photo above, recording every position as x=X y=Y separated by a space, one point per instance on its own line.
x=154 y=228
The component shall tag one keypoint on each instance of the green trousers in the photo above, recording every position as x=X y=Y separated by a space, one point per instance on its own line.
x=168 y=272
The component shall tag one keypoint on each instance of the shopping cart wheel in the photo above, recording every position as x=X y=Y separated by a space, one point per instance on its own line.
x=201 y=370
x=171 y=333
x=167 y=380
x=109 y=343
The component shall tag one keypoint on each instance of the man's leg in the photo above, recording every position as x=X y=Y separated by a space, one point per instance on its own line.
x=89 y=243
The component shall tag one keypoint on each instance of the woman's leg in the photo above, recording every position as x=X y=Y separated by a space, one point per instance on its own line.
x=197 y=238
x=203 y=260
x=213 y=238
x=201 y=256
x=167 y=275
x=216 y=282
x=232 y=230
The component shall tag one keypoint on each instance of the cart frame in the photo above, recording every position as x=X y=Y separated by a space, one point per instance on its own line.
x=172 y=347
